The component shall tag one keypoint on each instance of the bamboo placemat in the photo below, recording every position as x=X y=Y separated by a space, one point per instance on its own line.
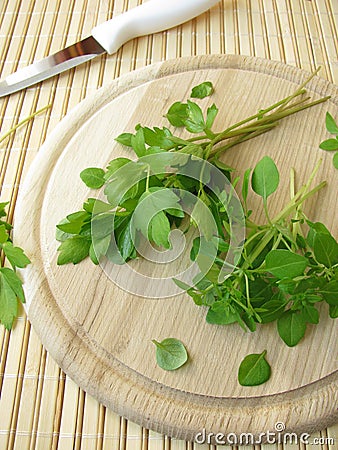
x=40 y=407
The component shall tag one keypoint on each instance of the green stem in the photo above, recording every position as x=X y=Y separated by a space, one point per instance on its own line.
x=293 y=204
x=258 y=249
x=23 y=122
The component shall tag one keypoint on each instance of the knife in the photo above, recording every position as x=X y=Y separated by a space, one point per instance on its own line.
x=150 y=17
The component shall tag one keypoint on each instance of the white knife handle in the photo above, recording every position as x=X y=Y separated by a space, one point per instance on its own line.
x=150 y=17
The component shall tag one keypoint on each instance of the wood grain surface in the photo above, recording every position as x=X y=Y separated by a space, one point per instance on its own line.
x=100 y=335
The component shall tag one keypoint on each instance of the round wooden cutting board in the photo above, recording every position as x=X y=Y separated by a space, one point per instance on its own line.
x=101 y=335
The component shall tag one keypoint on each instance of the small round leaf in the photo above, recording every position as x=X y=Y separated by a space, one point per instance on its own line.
x=254 y=370
x=170 y=353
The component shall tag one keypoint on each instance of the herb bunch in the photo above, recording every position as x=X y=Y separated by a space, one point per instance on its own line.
x=288 y=265
x=113 y=217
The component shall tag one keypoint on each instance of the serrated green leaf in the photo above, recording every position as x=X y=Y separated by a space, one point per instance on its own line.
x=123 y=180
x=14 y=282
x=329 y=145
x=159 y=228
x=15 y=255
x=195 y=121
x=138 y=143
x=155 y=200
x=158 y=138
x=222 y=313
x=96 y=206
x=212 y=112
x=204 y=220
x=291 y=327
x=114 y=165
x=178 y=114
x=331 y=124
x=8 y=303
x=254 y=370
x=203 y=90
x=171 y=354
x=93 y=177
x=265 y=177
x=285 y=264
x=99 y=247
x=124 y=139
x=3 y=234
x=73 y=250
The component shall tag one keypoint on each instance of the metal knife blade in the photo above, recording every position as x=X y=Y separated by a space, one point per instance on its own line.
x=63 y=60
x=150 y=17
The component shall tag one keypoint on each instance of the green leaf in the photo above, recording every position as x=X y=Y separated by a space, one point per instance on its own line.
x=181 y=284
x=73 y=250
x=212 y=112
x=14 y=282
x=125 y=242
x=330 y=292
x=329 y=145
x=153 y=201
x=310 y=314
x=285 y=264
x=123 y=180
x=93 y=177
x=61 y=235
x=254 y=370
x=95 y=205
x=221 y=313
x=333 y=311
x=265 y=177
x=273 y=308
x=245 y=186
x=124 y=139
x=8 y=303
x=3 y=234
x=195 y=121
x=2 y=208
x=260 y=291
x=92 y=255
x=170 y=353
x=202 y=90
x=159 y=228
x=99 y=247
x=114 y=165
x=178 y=114
x=315 y=227
x=138 y=143
x=335 y=160
x=15 y=255
x=325 y=249
x=74 y=222
x=203 y=219
x=291 y=327
x=330 y=123
x=104 y=224
x=158 y=138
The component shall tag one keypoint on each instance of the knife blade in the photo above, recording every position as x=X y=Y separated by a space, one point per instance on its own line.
x=148 y=18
